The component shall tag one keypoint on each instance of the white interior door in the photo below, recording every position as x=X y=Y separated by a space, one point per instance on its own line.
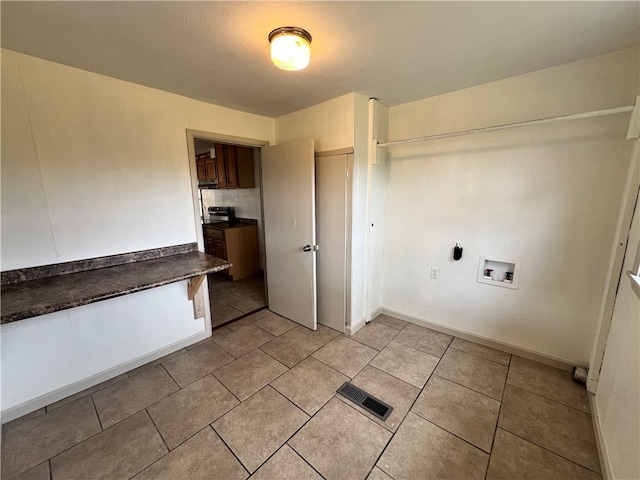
x=333 y=201
x=288 y=200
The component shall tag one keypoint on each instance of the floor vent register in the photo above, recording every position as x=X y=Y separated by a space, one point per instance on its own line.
x=370 y=403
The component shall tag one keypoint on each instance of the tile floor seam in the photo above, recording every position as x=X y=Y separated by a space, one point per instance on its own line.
x=335 y=395
x=467 y=387
x=172 y=379
x=456 y=435
x=403 y=381
x=210 y=425
x=230 y=392
x=480 y=356
x=225 y=351
x=165 y=444
x=170 y=376
x=393 y=435
x=326 y=365
x=501 y=401
x=285 y=442
x=546 y=397
x=72 y=446
x=159 y=433
x=550 y=400
x=96 y=410
x=398 y=378
x=300 y=455
x=488 y=454
x=452 y=433
x=550 y=451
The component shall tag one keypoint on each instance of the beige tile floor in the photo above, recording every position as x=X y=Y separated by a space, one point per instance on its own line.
x=230 y=300
x=258 y=400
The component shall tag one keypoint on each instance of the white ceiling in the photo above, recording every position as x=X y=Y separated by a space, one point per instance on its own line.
x=395 y=51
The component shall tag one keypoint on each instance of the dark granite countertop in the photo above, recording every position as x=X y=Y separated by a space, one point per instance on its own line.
x=49 y=294
x=240 y=222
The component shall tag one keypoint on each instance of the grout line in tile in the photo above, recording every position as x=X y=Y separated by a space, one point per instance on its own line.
x=79 y=443
x=230 y=450
x=480 y=356
x=159 y=433
x=488 y=454
x=549 y=399
x=495 y=430
x=393 y=434
x=349 y=377
x=294 y=433
x=303 y=459
x=467 y=387
x=93 y=402
x=551 y=451
x=544 y=396
x=527 y=440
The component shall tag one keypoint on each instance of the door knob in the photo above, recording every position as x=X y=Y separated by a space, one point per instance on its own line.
x=308 y=248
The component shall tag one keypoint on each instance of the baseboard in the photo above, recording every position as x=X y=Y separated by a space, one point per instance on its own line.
x=557 y=362
x=353 y=328
x=605 y=466
x=375 y=313
x=34 y=404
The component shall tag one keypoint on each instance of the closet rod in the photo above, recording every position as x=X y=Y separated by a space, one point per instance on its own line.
x=575 y=116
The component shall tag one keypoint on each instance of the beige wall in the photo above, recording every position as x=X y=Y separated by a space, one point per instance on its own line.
x=329 y=123
x=95 y=166
x=548 y=195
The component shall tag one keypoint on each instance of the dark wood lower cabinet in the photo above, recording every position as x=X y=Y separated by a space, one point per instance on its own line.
x=239 y=245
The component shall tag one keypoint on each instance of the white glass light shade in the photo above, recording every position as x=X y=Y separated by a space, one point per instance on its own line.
x=290 y=48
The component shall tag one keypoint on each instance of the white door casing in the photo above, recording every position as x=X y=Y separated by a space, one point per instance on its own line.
x=288 y=199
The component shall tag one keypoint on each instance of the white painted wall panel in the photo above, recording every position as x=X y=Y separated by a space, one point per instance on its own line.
x=548 y=195
x=94 y=166
x=24 y=205
x=329 y=123
x=45 y=353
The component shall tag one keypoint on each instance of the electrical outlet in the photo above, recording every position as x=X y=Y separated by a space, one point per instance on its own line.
x=435 y=272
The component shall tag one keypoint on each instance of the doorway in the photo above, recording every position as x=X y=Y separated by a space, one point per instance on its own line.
x=226 y=173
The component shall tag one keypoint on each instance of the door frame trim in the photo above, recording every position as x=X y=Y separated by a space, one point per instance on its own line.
x=191 y=135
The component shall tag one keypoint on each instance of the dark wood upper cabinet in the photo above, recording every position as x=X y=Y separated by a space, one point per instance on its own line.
x=234 y=166
x=206 y=167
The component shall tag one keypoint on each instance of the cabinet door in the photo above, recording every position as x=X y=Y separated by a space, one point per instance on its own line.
x=201 y=169
x=221 y=171
x=210 y=246
x=244 y=156
x=210 y=169
x=231 y=164
x=220 y=249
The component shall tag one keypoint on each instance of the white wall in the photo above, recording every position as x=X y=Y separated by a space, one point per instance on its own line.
x=360 y=214
x=378 y=180
x=329 y=123
x=618 y=394
x=548 y=195
x=334 y=125
x=94 y=166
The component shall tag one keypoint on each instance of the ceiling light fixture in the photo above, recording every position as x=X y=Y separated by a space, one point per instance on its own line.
x=290 y=48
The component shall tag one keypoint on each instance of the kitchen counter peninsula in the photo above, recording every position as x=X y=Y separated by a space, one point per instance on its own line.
x=46 y=289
